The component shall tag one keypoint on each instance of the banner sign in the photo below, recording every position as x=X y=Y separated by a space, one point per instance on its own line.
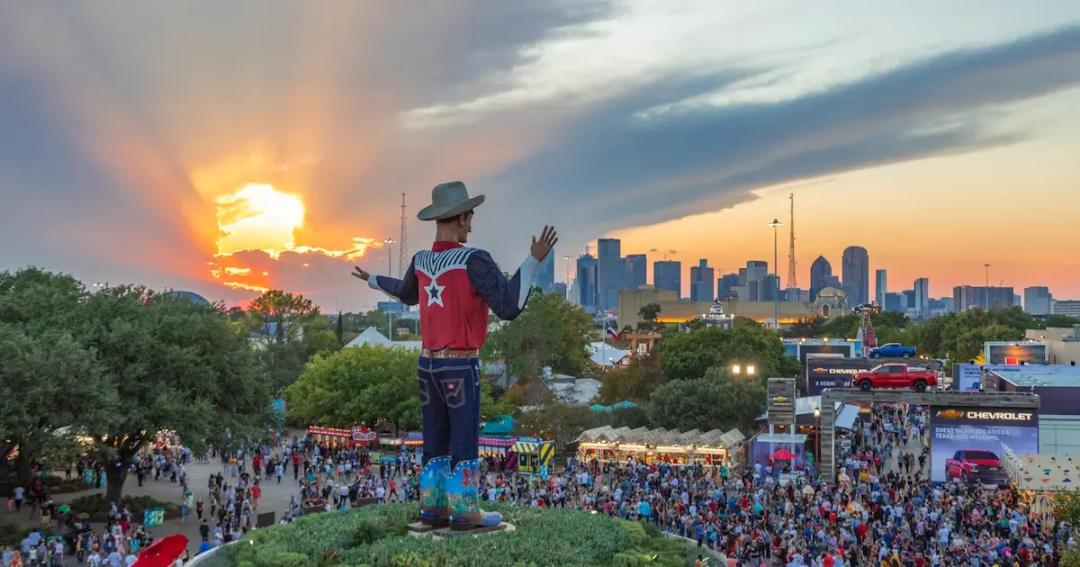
x=153 y=517
x=823 y=372
x=966 y=443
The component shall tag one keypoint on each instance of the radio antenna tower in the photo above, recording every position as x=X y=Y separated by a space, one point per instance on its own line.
x=791 y=247
x=403 y=245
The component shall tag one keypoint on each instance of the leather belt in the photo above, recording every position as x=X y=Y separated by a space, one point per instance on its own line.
x=450 y=353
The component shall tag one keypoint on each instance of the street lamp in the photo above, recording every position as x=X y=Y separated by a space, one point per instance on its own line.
x=776 y=224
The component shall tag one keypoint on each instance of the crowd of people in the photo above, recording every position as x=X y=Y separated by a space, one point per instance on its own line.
x=881 y=511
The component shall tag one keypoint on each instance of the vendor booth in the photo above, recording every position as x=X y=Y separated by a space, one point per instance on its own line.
x=712 y=448
x=341 y=437
x=533 y=454
x=495 y=446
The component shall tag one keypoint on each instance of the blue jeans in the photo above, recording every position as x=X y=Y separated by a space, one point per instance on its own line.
x=450 y=406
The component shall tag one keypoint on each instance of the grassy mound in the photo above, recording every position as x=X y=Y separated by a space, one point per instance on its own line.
x=376 y=536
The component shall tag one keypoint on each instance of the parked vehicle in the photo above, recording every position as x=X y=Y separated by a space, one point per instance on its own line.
x=976 y=466
x=892 y=350
x=895 y=376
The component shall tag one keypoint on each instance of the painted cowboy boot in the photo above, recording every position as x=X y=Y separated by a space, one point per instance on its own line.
x=434 y=510
x=464 y=498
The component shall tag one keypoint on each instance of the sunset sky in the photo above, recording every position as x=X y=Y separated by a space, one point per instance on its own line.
x=229 y=147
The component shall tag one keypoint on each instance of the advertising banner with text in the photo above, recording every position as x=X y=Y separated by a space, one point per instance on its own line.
x=966 y=442
x=823 y=372
x=968 y=376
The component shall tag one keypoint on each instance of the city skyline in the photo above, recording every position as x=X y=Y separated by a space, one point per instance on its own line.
x=224 y=150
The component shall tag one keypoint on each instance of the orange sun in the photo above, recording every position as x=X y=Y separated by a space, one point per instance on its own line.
x=260 y=217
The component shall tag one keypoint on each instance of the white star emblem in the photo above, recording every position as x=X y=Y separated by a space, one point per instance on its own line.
x=434 y=293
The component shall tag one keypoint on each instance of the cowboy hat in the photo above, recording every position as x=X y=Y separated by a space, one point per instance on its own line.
x=449 y=200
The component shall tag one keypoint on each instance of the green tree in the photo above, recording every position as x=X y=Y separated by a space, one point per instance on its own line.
x=174 y=365
x=1058 y=321
x=959 y=336
x=713 y=402
x=357 y=385
x=634 y=382
x=339 y=329
x=550 y=332
x=559 y=422
x=48 y=380
x=687 y=356
x=289 y=330
x=806 y=328
x=649 y=314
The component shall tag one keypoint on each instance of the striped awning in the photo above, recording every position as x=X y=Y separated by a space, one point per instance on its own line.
x=526 y=447
x=503 y=442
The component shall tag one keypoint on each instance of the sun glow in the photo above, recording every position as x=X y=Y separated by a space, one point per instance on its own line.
x=258 y=217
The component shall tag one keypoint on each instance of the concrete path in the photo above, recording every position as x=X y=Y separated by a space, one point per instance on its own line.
x=275 y=498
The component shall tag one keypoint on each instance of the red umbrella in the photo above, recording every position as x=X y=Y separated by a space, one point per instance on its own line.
x=163 y=552
x=783 y=455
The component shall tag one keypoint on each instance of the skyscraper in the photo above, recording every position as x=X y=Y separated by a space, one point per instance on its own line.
x=667 y=274
x=726 y=285
x=636 y=265
x=586 y=281
x=701 y=282
x=922 y=297
x=752 y=280
x=856 y=274
x=820 y=271
x=770 y=288
x=545 y=273
x=611 y=273
x=1037 y=300
x=909 y=299
x=882 y=287
x=967 y=297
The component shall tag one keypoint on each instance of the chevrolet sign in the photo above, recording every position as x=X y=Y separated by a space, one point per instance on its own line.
x=820 y=370
x=985 y=415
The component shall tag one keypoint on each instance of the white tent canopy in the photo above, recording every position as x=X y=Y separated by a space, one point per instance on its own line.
x=604 y=354
x=372 y=337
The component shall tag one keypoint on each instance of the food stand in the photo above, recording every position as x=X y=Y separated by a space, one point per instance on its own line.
x=490 y=446
x=533 y=454
x=341 y=437
x=661 y=446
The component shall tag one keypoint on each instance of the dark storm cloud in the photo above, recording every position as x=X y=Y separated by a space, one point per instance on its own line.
x=613 y=170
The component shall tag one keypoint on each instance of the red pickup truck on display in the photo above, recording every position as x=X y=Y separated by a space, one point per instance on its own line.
x=895 y=376
x=973 y=466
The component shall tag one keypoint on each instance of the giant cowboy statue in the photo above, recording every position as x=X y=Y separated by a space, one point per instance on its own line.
x=455 y=286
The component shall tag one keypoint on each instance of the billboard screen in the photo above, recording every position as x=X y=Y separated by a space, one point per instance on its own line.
x=826 y=372
x=967 y=442
x=1015 y=353
x=968 y=376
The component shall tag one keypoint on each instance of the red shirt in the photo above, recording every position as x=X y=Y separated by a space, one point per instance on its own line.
x=455 y=286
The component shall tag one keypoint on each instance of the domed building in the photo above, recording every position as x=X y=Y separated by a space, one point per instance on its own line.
x=831 y=302
x=188 y=295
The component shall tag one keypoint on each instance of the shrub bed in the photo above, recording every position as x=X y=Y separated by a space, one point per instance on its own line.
x=97 y=507
x=12 y=534
x=376 y=536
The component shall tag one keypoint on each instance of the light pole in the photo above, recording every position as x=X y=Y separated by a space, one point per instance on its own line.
x=776 y=224
x=389 y=272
